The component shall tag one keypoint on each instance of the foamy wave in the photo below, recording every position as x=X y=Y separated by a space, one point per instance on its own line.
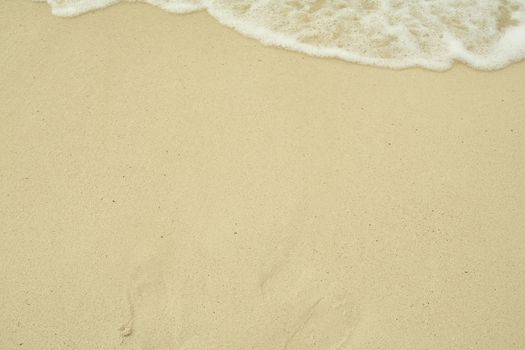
x=485 y=34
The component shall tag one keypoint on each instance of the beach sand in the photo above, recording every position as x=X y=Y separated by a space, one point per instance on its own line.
x=166 y=183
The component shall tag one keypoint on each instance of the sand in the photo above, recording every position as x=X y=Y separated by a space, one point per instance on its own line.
x=166 y=183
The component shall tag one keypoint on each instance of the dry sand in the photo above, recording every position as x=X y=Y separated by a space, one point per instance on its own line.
x=165 y=174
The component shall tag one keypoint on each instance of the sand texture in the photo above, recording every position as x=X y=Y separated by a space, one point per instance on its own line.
x=166 y=183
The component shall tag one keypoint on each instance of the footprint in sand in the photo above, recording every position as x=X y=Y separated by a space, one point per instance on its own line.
x=155 y=311
x=327 y=324
x=292 y=306
x=315 y=314
x=165 y=297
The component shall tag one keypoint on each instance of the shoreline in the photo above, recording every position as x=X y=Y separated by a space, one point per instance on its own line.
x=490 y=60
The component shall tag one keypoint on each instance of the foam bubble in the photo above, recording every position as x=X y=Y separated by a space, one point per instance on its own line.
x=485 y=34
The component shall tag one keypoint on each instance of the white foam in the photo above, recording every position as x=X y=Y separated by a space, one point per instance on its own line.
x=76 y=7
x=485 y=34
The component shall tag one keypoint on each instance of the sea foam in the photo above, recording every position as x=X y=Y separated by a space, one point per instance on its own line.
x=485 y=34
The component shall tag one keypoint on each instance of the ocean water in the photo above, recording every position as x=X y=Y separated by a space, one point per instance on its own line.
x=485 y=34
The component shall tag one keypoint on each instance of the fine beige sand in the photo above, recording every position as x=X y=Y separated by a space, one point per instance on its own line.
x=166 y=183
